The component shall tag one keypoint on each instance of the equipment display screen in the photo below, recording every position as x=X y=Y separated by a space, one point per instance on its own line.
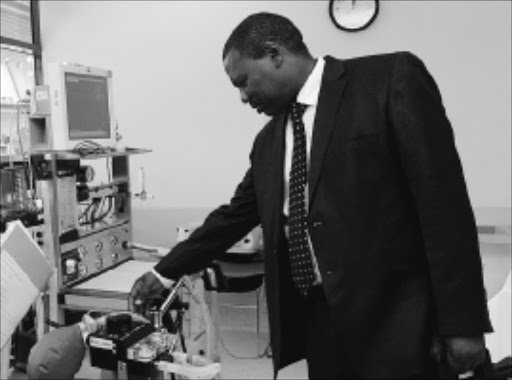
x=87 y=106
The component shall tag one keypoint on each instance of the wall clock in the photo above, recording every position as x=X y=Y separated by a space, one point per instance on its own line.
x=353 y=15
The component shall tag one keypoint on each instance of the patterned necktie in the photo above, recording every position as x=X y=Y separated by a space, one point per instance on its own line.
x=300 y=255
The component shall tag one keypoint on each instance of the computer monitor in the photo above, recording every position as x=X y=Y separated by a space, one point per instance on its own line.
x=82 y=108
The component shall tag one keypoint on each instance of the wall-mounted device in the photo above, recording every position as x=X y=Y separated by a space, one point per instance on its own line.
x=76 y=105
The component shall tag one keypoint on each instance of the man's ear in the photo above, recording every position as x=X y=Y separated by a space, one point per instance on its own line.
x=275 y=53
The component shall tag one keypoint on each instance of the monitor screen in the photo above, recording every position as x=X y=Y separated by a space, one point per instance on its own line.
x=87 y=106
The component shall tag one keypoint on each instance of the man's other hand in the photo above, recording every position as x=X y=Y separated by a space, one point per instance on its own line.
x=144 y=288
x=465 y=353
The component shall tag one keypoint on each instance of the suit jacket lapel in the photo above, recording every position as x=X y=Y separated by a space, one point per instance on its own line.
x=333 y=85
x=277 y=158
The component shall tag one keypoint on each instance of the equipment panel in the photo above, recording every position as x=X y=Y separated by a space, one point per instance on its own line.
x=89 y=255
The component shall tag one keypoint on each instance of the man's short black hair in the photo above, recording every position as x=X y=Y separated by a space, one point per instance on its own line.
x=249 y=38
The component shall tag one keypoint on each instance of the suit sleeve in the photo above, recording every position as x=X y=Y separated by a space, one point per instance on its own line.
x=427 y=152
x=221 y=229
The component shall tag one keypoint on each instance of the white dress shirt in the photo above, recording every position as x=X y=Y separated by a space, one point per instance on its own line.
x=307 y=95
x=166 y=282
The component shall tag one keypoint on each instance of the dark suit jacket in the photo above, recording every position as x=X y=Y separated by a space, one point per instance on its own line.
x=389 y=218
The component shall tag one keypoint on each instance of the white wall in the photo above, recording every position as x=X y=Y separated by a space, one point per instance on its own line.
x=172 y=95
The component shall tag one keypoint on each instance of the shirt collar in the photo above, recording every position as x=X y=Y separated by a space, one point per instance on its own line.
x=311 y=89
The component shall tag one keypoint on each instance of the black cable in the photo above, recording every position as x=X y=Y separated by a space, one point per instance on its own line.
x=104 y=214
x=92 y=210
x=109 y=173
x=95 y=217
x=86 y=147
x=94 y=207
x=84 y=214
x=180 y=330
x=259 y=356
x=87 y=214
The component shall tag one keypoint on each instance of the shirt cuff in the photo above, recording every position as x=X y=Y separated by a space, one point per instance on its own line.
x=167 y=283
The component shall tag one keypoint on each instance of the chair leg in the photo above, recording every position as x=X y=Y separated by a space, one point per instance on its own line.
x=258 y=318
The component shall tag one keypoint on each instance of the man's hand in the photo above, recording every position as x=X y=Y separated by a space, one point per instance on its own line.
x=145 y=287
x=464 y=353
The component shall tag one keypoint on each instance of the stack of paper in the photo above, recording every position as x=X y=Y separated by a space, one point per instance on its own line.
x=24 y=274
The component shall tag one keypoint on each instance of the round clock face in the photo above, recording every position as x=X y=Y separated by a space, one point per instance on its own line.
x=353 y=15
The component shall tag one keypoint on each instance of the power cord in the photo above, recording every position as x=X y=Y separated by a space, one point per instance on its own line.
x=267 y=352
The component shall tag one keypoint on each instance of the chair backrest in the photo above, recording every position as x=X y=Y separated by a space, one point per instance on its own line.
x=244 y=284
x=249 y=279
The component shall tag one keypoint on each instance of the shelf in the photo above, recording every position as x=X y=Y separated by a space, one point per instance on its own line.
x=15 y=159
x=13 y=107
x=71 y=155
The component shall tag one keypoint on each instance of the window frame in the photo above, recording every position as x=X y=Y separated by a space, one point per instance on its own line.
x=35 y=47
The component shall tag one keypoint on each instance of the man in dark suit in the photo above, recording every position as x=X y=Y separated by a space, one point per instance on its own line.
x=371 y=250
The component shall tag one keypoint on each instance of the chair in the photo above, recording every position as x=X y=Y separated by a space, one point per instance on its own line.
x=235 y=274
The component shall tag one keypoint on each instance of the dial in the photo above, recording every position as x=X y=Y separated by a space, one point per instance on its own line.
x=353 y=15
